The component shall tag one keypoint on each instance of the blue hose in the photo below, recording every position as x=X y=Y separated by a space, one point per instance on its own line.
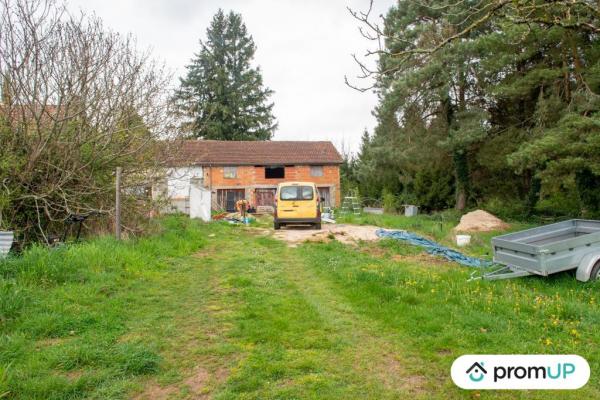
x=434 y=248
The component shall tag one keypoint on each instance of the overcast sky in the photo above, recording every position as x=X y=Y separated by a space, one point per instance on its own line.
x=303 y=48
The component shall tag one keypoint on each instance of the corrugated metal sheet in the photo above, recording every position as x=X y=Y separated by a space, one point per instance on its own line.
x=6 y=241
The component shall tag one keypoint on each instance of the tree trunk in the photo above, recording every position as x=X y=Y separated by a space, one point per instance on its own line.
x=461 y=172
x=577 y=64
x=461 y=200
x=459 y=155
x=533 y=195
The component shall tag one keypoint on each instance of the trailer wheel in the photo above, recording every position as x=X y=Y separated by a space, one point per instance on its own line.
x=595 y=274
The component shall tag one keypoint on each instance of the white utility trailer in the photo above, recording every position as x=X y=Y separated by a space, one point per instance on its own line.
x=545 y=250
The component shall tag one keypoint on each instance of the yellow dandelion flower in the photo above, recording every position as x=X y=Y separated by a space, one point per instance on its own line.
x=574 y=333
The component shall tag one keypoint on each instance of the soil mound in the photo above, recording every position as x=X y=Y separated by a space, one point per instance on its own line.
x=480 y=221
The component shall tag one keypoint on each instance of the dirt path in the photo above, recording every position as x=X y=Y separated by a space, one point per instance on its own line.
x=372 y=354
x=272 y=327
x=348 y=234
x=202 y=324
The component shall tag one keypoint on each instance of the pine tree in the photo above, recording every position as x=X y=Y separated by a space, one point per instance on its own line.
x=439 y=89
x=499 y=100
x=222 y=97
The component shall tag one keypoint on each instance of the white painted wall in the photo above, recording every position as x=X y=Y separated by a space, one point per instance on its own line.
x=200 y=204
x=178 y=181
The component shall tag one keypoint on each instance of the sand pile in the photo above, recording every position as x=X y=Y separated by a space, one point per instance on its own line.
x=480 y=221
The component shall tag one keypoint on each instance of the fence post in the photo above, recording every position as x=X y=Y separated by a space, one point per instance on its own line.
x=118 y=204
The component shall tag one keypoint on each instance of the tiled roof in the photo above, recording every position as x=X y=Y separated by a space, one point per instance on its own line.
x=218 y=152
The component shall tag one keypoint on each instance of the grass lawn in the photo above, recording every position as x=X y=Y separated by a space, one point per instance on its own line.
x=226 y=312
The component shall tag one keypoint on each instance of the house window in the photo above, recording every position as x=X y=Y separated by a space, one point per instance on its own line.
x=316 y=170
x=230 y=172
x=274 y=172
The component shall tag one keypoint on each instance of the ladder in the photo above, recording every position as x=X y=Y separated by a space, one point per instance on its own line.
x=351 y=204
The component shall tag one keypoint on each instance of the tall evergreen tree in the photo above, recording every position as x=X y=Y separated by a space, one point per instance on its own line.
x=222 y=96
x=498 y=99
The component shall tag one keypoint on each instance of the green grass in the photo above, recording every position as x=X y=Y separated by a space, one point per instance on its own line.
x=435 y=226
x=225 y=311
x=65 y=312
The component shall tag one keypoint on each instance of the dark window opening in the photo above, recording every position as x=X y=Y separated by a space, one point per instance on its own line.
x=274 y=172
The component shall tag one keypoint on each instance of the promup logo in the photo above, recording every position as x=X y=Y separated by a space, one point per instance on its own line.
x=476 y=372
x=520 y=372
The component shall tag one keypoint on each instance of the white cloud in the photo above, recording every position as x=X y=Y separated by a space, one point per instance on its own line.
x=303 y=48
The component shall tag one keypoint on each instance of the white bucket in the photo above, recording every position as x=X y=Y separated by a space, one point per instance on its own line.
x=410 y=210
x=463 y=240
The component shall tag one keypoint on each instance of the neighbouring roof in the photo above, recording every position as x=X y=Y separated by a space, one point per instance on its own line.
x=222 y=152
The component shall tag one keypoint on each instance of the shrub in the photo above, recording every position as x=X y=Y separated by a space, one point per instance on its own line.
x=390 y=201
x=434 y=189
x=504 y=208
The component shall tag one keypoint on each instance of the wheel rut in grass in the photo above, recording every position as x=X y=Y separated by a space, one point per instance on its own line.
x=202 y=322
x=370 y=351
x=266 y=325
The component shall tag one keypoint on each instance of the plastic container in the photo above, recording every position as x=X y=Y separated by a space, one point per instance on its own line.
x=463 y=240
x=6 y=241
x=410 y=210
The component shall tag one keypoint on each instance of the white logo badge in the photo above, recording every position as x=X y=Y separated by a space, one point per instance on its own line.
x=520 y=371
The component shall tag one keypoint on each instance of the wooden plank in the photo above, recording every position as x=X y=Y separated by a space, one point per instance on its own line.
x=118 y=204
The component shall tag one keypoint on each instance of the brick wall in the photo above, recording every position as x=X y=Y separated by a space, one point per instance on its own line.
x=251 y=177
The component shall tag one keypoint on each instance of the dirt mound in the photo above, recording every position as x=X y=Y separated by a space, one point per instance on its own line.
x=480 y=221
x=348 y=234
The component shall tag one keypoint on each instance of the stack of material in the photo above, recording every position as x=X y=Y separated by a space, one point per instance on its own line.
x=327 y=218
x=265 y=209
x=480 y=221
x=220 y=215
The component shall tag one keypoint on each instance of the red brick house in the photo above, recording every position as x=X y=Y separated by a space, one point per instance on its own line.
x=233 y=170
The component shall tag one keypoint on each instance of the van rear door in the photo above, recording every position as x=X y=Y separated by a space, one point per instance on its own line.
x=297 y=202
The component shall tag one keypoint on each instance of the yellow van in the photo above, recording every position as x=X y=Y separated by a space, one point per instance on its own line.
x=297 y=203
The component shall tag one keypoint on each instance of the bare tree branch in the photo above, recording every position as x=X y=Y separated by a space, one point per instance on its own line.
x=77 y=101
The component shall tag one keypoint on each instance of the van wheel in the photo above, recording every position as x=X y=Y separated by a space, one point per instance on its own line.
x=318 y=225
x=276 y=226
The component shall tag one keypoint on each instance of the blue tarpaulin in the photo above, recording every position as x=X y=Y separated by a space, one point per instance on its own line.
x=434 y=248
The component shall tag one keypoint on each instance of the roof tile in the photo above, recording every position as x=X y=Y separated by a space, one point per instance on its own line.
x=221 y=152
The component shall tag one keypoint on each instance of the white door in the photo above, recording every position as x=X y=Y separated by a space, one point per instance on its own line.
x=199 y=200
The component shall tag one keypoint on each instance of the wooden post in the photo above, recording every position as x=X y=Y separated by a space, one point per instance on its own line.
x=118 y=204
